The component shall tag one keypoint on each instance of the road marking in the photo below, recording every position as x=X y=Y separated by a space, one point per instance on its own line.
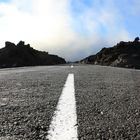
x=71 y=66
x=64 y=122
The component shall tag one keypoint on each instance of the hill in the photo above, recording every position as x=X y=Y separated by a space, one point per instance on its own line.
x=124 y=54
x=23 y=55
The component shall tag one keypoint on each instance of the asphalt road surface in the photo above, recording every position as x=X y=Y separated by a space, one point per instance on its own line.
x=107 y=102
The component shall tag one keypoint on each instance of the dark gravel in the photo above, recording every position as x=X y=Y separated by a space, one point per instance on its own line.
x=108 y=102
x=28 y=97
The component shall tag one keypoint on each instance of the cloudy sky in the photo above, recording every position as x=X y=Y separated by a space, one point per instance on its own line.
x=70 y=28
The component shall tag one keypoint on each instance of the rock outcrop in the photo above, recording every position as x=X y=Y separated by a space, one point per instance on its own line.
x=124 y=54
x=23 y=55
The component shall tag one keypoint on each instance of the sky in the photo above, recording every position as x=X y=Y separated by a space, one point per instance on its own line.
x=72 y=29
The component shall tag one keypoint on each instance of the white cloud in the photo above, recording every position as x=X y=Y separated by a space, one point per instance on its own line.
x=49 y=25
x=104 y=27
x=47 y=22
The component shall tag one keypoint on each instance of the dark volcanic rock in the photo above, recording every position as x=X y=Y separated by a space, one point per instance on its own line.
x=124 y=54
x=23 y=55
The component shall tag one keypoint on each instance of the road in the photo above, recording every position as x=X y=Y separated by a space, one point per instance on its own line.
x=107 y=102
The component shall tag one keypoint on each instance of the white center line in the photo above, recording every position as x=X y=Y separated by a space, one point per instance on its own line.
x=71 y=66
x=64 y=122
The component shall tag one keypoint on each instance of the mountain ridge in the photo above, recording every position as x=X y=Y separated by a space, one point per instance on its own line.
x=124 y=54
x=24 y=55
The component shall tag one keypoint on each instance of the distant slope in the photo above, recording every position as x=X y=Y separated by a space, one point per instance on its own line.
x=23 y=55
x=124 y=54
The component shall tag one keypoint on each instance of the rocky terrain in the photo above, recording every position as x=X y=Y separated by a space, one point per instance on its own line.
x=23 y=55
x=124 y=54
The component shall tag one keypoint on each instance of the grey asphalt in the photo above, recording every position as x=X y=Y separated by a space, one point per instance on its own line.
x=107 y=99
